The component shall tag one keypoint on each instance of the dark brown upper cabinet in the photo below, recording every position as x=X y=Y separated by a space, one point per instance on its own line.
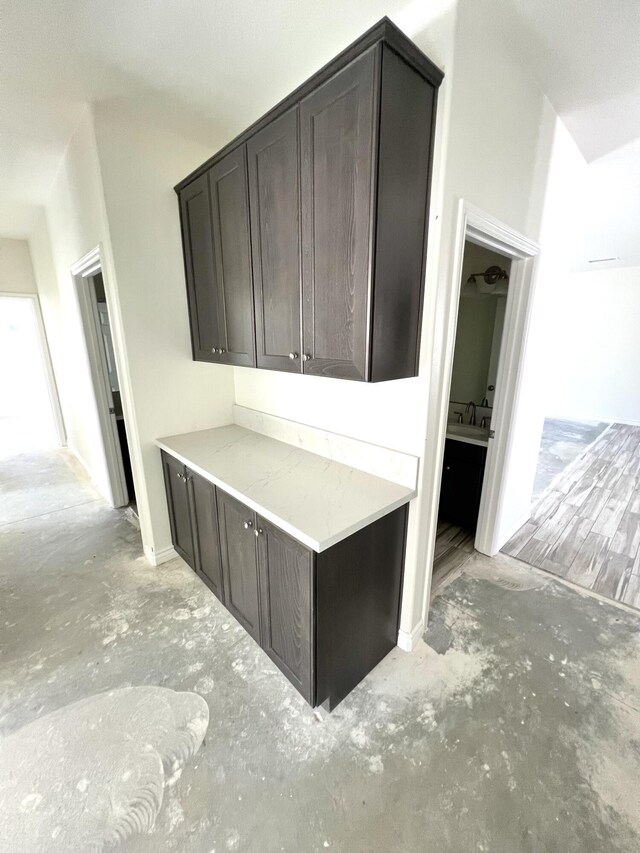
x=274 y=192
x=232 y=250
x=328 y=278
x=336 y=123
x=200 y=271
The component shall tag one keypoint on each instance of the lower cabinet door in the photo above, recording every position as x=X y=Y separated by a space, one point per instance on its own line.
x=286 y=601
x=239 y=562
x=178 y=501
x=205 y=516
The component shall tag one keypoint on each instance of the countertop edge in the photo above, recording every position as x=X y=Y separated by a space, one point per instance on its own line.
x=297 y=534
x=466 y=439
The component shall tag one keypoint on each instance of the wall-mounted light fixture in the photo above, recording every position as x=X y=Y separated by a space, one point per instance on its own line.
x=492 y=281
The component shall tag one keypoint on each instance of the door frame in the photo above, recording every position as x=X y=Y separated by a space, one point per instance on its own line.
x=47 y=364
x=477 y=226
x=82 y=271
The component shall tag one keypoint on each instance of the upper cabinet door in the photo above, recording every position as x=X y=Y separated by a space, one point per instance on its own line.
x=337 y=140
x=234 y=288
x=197 y=242
x=275 y=238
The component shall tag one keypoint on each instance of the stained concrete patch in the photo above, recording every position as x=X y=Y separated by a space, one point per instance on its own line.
x=92 y=774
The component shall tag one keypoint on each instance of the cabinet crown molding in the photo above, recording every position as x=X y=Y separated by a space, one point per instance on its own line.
x=384 y=31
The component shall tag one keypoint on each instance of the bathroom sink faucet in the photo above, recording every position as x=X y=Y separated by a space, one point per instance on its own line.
x=471 y=411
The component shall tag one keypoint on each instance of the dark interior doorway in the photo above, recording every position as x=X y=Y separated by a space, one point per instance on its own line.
x=104 y=328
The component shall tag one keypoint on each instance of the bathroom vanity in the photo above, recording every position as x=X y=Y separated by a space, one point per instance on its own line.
x=305 y=552
x=465 y=455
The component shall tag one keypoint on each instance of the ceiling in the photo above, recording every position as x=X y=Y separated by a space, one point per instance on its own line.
x=215 y=65
x=585 y=54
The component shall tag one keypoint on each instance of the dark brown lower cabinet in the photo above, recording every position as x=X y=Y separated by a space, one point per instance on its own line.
x=286 y=605
x=193 y=519
x=325 y=619
x=207 y=537
x=461 y=484
x=239 y=562
x=178 y=489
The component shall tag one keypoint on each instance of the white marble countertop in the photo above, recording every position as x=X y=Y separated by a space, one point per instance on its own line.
x=316 y=500
x=468 y=434
x=466 y=439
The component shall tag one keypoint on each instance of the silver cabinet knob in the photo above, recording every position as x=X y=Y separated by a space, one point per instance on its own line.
x=258 y=531
x=306 y=357
x=179 y=475
x=293 y=355
x=248 y=524
x=221 y=350
x=214 y=350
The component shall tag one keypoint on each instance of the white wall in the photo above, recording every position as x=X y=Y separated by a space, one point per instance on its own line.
x=140 y=163
x=114 y=188
x=592 y=353
x=74 y=222
x=515 y=170
x=527 y=172
x=16 y=272
x=502 y=168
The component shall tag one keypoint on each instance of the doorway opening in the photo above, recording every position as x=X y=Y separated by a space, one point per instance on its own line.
x=94 y=311
x=478 y=339
x=30 y=414
x=512 y=445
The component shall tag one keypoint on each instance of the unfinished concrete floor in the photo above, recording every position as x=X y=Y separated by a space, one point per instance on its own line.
x=514 y=727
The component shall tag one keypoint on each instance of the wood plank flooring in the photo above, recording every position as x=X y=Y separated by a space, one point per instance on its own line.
x=587 y=527
x=454 y=546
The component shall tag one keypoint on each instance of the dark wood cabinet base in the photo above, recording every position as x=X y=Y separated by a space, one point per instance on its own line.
x=325 y=619
x=358 y=587
x=461 y=484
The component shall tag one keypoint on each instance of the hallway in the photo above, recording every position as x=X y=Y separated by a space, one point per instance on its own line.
x=511 y=727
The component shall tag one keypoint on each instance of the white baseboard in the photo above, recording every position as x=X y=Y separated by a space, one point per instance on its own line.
x=407 y=641
x=72 y=449
x=162 y=555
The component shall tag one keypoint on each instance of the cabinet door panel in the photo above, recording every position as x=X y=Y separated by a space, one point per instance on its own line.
x=239 y=562
x=199 y=263
x=286 y=598
x=230 y=216
x=461 y=484
x=336 y=135
x=178 y=501
x=275 y=242
x=205 y=517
